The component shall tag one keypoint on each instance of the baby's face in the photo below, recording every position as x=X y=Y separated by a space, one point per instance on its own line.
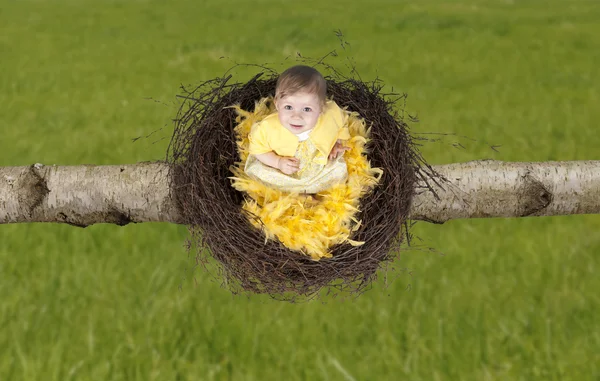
x=299 y=112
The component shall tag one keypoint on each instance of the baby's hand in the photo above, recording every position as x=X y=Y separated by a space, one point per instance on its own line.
x=337 y=149
x=288 y=165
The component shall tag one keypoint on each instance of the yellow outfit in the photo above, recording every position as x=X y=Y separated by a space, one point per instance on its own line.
x=316 y=172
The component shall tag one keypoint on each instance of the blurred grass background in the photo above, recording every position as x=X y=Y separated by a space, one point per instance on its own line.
x=502 y=299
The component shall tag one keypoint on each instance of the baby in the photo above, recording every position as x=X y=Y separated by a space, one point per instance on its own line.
x=299 y=147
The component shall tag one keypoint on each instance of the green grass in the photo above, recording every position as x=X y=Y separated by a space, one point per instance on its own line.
x=508 y=299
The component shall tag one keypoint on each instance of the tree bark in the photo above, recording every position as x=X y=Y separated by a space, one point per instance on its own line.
x=489 y=188
x=86 y=194
x=121 y=194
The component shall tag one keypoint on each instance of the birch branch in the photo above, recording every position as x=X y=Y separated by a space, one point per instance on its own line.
x=489 y=188
x=87 y=194
x=121 y=194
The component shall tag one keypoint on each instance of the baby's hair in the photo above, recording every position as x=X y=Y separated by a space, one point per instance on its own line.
x=301 y=78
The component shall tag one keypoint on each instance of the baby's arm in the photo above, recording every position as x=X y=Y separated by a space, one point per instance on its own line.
x=341 y=120
x=261 y=148
x=287 y=165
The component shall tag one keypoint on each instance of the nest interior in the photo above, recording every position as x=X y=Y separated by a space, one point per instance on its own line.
x=203 y=149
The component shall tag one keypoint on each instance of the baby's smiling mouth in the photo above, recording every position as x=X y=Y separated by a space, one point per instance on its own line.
x=296 y=126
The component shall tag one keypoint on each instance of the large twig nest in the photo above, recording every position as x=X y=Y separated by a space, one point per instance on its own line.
x=203 y=149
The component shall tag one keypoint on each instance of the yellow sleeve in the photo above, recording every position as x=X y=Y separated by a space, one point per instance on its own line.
x=258 y=138
x=343 y=132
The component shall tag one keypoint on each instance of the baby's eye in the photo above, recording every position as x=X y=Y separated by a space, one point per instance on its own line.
x=307 y=109
x=287 y=107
